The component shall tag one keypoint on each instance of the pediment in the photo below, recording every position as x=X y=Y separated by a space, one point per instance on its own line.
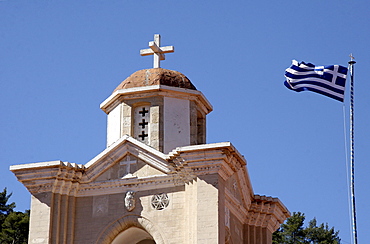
x=129 y=167
x=126 y=159
x=239 y=189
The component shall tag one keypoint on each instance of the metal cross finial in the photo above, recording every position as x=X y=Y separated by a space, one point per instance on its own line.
x=352 y=58
x=157 y=51
x=352 y=61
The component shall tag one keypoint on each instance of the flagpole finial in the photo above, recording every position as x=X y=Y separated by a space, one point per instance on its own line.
x=352 y=61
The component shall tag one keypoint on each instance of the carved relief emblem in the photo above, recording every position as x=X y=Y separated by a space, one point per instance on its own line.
x=130 y=200
x=160 y=201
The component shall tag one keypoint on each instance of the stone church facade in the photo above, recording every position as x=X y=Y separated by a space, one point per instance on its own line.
x=157 y=181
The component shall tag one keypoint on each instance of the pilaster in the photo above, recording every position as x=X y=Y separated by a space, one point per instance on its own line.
x=202 y=210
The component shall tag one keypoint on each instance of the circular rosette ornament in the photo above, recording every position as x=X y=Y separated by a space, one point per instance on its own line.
x=160 y=201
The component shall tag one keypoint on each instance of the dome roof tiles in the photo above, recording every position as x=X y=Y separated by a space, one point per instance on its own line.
x=156 y=76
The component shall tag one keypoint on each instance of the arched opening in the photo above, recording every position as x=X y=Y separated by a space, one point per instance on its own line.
x=115 y=233
x=133 y=235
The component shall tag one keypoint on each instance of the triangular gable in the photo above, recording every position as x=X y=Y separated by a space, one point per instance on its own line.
x=238 y=188
x=129 y=167
x=126 y=158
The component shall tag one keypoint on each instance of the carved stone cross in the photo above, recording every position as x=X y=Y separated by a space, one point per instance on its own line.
x=128 y=164
x=157 y=51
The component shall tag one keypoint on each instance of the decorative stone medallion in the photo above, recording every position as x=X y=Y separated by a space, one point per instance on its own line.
x=130 y=201
x=160 y=201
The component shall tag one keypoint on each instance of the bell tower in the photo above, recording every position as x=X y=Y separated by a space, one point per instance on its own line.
x=158 y=107
x=154 y=183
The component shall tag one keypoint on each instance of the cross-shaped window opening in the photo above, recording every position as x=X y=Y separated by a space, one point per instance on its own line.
x=143 y=112
x=143 y=135
x=143 y=124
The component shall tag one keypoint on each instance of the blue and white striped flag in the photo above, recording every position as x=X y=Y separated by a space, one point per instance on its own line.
x=326 y=80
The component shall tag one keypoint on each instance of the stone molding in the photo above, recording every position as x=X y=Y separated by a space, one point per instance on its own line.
x=267 y=212
x=56 y=176
x=122 y=224
x=215 y=156
x=121 y=185
x=156 y=90
x=179 y=167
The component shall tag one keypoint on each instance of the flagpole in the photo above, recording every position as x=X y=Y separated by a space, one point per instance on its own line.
x=352 y=155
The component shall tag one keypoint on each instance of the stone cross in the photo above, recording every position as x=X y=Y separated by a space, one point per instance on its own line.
x=157 y=51
x=128 y=164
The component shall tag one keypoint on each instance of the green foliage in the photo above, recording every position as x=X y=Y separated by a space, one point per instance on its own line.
x=15 y=228
x=321 y=234
x=293 y=231
x=5 y=209
x=13 y=225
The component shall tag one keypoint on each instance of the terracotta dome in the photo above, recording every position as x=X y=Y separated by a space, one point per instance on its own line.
x=156 y=76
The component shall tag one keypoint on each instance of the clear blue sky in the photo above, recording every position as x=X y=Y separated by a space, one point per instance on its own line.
x=60 y=59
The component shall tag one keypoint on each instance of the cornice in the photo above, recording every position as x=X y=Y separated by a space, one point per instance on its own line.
x=178 y=167
x=221 y=158
x=52 y=176
x=203 y=151
x=106 y=105
x=134 y=184
x=267 y=212
x=40 y=165
x=64 y=180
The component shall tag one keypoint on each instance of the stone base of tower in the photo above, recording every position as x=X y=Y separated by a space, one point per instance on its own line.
x=194 y=194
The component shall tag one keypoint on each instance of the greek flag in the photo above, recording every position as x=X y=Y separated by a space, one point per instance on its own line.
x=326 y=80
